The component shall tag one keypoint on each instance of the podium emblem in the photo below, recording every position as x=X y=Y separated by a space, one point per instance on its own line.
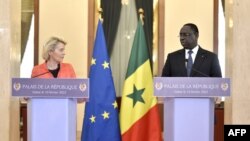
x=224 y=86
x=158 y=86
x=82 y=87
x=17 y=86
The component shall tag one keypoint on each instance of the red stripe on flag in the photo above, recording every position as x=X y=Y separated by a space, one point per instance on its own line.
x=148 y=128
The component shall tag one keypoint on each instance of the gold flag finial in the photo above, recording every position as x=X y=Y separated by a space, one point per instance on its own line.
x=141 y=12
x=100 y=14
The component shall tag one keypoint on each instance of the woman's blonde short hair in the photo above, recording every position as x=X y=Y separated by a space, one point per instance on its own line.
x=50 y=46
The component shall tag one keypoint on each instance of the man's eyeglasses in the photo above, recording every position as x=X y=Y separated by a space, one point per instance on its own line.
x=184 y=34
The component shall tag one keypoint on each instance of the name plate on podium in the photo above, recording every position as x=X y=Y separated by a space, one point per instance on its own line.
x=191 y=87
x=54 y=88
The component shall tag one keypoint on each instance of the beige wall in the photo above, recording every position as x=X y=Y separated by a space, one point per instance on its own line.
x=237 y=107
x=179 y=12
x=67 y=19
x=10 y=31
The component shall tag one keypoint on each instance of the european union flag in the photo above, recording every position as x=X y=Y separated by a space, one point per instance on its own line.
x=101 y=122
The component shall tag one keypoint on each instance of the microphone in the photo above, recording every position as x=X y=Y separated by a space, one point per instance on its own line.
x=197 y=71
x=203 y=74
x=40 y=74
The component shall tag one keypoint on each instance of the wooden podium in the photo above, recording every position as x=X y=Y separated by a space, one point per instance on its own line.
x=51 y=106
x=189 y=106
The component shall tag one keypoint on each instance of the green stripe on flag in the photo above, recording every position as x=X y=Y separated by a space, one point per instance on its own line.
x=139 y=51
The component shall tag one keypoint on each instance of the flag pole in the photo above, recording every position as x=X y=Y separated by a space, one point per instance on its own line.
x=100 y=14
x=141 y=13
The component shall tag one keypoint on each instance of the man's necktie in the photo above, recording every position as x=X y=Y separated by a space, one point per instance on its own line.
x=189 y=62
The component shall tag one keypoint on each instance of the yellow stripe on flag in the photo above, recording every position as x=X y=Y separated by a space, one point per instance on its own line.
x=141 y=78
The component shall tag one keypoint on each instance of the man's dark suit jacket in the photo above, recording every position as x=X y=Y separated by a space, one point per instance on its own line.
x=206 y=65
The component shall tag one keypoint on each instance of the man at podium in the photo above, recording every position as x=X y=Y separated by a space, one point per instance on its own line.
x=180 y=113
x=192 y=60
x=53 y=54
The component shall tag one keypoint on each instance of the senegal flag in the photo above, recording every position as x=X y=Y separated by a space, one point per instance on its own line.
x=139 y=116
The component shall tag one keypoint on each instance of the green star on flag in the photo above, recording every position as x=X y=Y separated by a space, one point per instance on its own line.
x=136 y=96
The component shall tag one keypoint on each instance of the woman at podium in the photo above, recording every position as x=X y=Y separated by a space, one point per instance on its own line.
x=53 y=54
x=52 y=119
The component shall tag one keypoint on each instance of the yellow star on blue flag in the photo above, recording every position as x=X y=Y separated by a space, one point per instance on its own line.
x=101 y=118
